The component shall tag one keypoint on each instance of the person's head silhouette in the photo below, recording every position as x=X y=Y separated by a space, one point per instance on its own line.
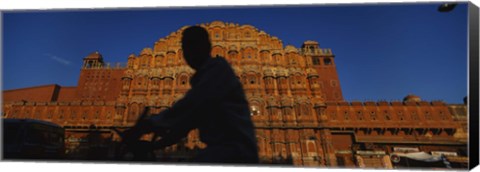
x=196 y=46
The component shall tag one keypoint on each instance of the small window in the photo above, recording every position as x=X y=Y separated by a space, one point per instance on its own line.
x=414 y=116
x=247 y=34
x=316 y=61
x=340 y=161
x=333 y=83
x=327 y=61
x=360 y=115
x=334 y=116
x=442 y=115
x=427 y=115
x=254 y=110
x=401 y=116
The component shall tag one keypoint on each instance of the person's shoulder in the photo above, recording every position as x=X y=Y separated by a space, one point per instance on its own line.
x=220 y=61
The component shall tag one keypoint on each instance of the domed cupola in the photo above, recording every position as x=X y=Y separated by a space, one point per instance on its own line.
x=411 y=98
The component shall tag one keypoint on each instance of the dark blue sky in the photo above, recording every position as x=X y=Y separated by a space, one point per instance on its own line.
x=383 y=52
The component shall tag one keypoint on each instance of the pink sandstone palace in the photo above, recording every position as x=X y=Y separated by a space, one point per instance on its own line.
x=296 y=101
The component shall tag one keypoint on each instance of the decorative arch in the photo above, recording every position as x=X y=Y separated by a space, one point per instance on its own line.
x=302 y=106
x=249 y=53
x=218 y=50
x=257 y=105
x=134 y=111
x=183 y=79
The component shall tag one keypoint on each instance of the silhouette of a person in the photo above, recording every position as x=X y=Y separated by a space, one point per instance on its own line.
x=215 y=104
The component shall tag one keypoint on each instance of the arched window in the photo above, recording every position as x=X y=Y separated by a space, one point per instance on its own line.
x=254 y=110
x=247 y=34
x=134 y=111
x=299 y=79
x=252 y=80
x=183 y=80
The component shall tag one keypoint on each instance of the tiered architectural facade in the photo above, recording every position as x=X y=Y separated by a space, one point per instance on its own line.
x=294 y=94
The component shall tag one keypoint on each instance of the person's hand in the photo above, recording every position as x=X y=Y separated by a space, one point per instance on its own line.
x=134 y=134
x=144 y=125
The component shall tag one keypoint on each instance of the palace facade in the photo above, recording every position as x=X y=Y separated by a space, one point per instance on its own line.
x=294 y=93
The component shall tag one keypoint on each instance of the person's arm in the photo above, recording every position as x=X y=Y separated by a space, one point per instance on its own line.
x=172 y=136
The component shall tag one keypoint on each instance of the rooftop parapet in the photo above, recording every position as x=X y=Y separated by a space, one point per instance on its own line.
x=316 y=51
x=117 y=65
x=387 y=103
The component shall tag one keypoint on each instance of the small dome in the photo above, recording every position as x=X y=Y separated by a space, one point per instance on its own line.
x=94 y=56
x=217 y=23
x=411 y=98
x=290 y=48
x=131 y=56
x=146 y=51
x=310 y=42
